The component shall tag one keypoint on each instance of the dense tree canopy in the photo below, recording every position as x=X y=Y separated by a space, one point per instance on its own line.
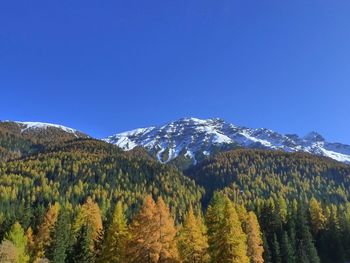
x=87 y=201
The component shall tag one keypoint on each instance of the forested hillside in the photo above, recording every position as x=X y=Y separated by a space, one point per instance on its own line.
x=85 y=200
x=299 y=199
x=258 y=174
x=17 y=140
x=93 y=168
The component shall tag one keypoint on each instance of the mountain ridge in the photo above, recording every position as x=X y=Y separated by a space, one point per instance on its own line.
x=19 y=139
x=193 y=138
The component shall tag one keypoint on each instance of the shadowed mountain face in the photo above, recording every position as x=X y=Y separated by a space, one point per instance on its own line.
x=193 y=139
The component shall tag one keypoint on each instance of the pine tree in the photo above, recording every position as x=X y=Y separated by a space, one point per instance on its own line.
x=287 y=250
x=17 y=237
x=330 y=241
x=59 y=246
x=345 y=226
x=269 y=219
x=276 y=250
x=193 y=243
x=267 y=252
x=114 y=247
x=82 y=252
x=232 y=239
x=214 y=218
x=254 y=240
x=306 y=251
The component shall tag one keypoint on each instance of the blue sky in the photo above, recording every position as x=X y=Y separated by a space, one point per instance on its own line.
x=109 y=66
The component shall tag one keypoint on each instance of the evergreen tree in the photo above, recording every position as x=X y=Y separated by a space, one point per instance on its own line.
x=330 y=241
x=306 y=251
x=345 y=226
x=276 y=250
x=82 y=252
x=254 y=239
x=269 y=219
x=59 y=246
x=214 y=219
x=267 y=252
x=114 y=247
x=287 y=250
x=193 y=243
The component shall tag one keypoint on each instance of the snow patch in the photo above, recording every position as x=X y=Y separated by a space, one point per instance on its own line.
x=192 y=135
x=28 y=125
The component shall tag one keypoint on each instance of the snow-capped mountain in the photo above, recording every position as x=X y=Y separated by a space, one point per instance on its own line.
x=39 y=127
x=194 y=138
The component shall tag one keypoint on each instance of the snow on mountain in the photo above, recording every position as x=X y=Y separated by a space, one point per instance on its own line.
x=193 y=137
x=38 y=126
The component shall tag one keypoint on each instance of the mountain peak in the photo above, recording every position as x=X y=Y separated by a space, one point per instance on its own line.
x=314 y=136
x=30 y=126
x=199 y=121
x=195 y=138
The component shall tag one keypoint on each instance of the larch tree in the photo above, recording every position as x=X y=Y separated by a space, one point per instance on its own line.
x=232 y=239
x=153 y=234
x=193 y=242
x=90 y=217
x=254 y=239
x=318 y=220
x=17 y=237
x=242 y=215
x=282 y=209
x=167 y=233
x=44 y=237
x=118 y=235
x=144 y=244
x=30 y=240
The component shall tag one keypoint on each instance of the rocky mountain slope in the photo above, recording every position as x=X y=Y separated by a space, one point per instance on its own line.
x=195 y=138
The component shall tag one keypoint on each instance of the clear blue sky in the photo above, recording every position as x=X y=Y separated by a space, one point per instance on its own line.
x=109 y=66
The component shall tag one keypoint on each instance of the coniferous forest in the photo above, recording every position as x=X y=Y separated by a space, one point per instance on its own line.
x=83 y=200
